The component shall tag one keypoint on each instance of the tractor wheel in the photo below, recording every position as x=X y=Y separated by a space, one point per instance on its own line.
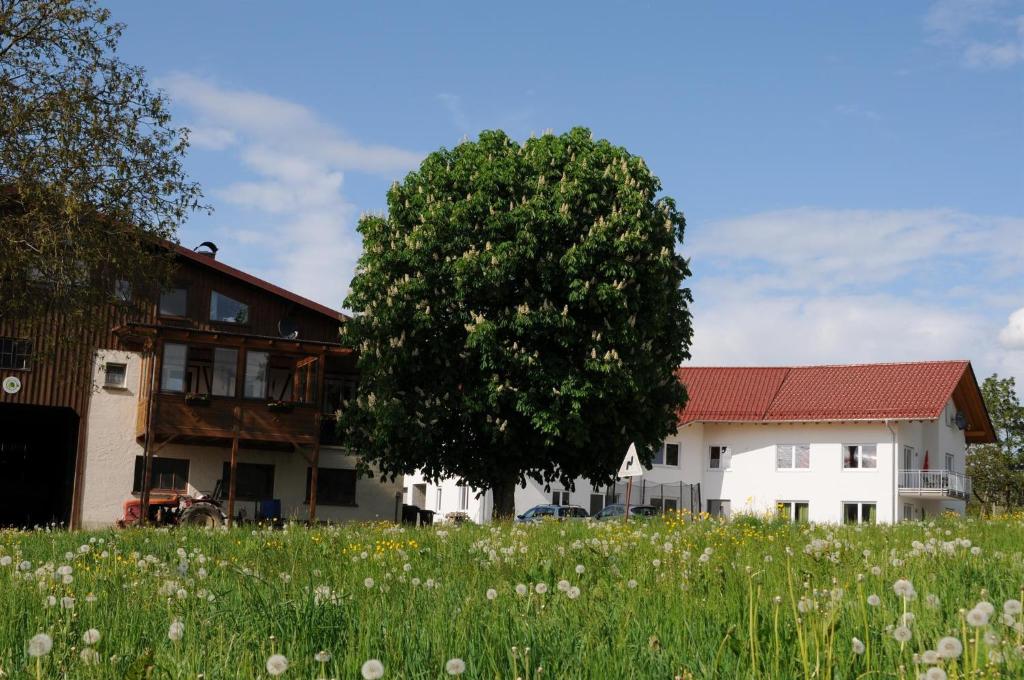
x=202 y=515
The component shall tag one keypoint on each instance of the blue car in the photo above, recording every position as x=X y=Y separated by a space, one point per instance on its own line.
x=539 y=512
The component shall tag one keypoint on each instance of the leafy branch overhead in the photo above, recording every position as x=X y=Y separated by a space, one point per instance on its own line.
x=91 y=173
x=519 y=312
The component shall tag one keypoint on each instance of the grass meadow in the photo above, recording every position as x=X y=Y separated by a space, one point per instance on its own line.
x=668 y=598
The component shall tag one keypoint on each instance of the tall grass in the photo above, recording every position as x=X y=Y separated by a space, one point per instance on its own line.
x=665 y=598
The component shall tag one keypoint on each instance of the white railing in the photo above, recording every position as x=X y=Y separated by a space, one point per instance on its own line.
x=936 y=481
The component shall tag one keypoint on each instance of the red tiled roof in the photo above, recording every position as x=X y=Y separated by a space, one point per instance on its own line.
x=898 y=391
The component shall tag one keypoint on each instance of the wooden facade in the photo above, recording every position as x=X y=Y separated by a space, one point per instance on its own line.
x=275 y=331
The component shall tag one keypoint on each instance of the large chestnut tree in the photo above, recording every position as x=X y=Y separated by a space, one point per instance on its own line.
x=519 y=312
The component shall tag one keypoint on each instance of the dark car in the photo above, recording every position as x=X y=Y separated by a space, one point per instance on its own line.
x=539 y=512
x=618 y=511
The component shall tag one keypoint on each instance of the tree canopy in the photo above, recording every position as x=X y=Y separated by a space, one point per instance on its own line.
x=997 y=470
x=91 y=174
x=519 y=312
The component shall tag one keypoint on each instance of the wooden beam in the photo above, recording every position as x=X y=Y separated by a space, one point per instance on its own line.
x=155 y=366
x=314 y=478
x=233 y=471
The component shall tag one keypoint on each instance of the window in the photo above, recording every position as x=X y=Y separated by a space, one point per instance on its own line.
x=792 y=456
x=908 y=457
x=857 y=456
x=950 y=413
x=859 y=513
x=718 y=507
x=437 y=505
x=908 y=512
x=668 y=504
x=596 y=503
x=174 y=302
x=573 y=512
x=334 y=486
x=560 y=498
x=166 y=474
x=15 y=354
x=255 y=482
x=659 y=455
x=227 y=310
x=949 y=462
x=793 y=511
x=172 y=371
x=463 y=497
x=720 y=458
x=672 y=455
x=115 y=375
x=256 y=364
x=225 y=370
x=122 y=290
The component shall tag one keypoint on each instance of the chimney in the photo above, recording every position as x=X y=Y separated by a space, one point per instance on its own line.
x=207 y=248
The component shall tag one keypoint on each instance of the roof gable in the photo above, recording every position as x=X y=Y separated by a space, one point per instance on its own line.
x=894 y=391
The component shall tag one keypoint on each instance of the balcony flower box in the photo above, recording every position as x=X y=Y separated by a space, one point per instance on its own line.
x=193 y=399
x=279 y=406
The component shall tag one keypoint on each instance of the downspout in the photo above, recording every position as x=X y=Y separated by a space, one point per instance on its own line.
x=895 y=484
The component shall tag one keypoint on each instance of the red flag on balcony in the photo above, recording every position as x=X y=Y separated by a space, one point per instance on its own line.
x=925 y=461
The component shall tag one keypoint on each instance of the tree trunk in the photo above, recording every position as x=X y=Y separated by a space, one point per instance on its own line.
x=504 y=493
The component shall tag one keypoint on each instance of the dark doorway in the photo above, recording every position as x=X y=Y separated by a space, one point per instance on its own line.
x=37 y=464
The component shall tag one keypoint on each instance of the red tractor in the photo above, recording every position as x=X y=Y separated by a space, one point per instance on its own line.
x=171 y=510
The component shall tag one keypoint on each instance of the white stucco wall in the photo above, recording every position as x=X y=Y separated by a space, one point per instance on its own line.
x=111 y=450
x=752 y=484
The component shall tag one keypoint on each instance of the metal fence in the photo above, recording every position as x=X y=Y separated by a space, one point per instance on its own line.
x=669 y=496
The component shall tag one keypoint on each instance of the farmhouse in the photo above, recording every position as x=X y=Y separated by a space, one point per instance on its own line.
x=854 y=443
x=229 y=383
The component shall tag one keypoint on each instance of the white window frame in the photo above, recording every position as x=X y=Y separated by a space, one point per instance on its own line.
x=861 y=505
x=792 y=458
x=679 y=454
x=123 y=384
x=463 y=497
x=558 y=495
x=908 y=512
x=860 y=458
x=724 y=458
x=909 y=454
x=437 y=501
x=724 y=505
x=792 y=509
x=950 y=462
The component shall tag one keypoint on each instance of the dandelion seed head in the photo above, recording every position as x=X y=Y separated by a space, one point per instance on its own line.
x=455 y=666
x=277 y=664
x=949 y=648
x=91 y=636
x=372 y=669
x=40 y=645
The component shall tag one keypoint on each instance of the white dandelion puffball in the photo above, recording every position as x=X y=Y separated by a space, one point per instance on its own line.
x=950 y=648
x=368 y=582
x=277 y=664
x=322 y=656
x=89 y=656
x=573 y=592
x=40 y=645
x=903 y=588
x=631 y=583
x=901 y=633
x=857 y=645
x=935 y=673
x=580 y=569
x=455 y=667
x=977 y=617
x=175 y=631
x=91 y=636
x=492 y=594
x=541 y=588
x=372 y=670
x=521 y=589
x=67 y=602
x=563 y=585
x=874 y=600
x=1012 y=607
x=986 y=607
x=932 y=601
x=930 y=657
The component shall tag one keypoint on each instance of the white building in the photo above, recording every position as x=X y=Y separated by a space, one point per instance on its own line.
x=870 y=442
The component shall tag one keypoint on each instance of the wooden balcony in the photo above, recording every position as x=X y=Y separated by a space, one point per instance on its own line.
x=215 y=420
x=934 y=483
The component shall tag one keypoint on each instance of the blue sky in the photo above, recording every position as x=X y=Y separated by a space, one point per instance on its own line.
x=851 y=173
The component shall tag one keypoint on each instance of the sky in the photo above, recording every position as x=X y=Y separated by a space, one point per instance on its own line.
x=852 y=174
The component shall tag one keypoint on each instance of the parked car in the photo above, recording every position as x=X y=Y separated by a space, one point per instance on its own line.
x=618 y=511
x=539 y=512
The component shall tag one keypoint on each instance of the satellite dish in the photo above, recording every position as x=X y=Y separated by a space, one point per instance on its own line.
x=960 y=420
x=287 y=328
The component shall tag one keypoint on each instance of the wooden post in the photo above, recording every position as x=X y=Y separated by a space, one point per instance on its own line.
x=155 y=362
x=317 y=399
x=314 y=474
x=233 y=469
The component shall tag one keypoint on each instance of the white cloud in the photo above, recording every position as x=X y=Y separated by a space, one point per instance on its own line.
x=296 y=213
x=812 y=285
x=985 y=32
x=1012 y=335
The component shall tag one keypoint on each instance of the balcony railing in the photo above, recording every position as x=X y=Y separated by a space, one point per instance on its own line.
x=935 y=482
